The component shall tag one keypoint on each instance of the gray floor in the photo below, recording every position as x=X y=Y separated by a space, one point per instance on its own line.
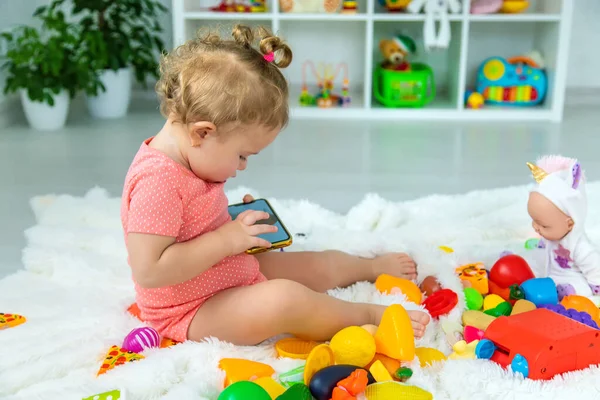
x=332 y=163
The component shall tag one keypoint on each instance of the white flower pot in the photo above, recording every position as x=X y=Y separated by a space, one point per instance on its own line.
x=114 y=102
x=43 y=117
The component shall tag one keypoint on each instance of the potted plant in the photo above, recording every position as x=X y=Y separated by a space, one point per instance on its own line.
x=122 y=39
x=46 y=67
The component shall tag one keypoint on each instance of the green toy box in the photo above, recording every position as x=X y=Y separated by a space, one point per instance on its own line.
x=414 y=88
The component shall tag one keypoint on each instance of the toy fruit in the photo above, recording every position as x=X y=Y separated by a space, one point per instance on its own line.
x=320 y=357
x=273 y=388
x=502 y=309
x=473 y=298
x=380 y=372
x=389 y=363
x=403 y=374
x=510 y=270
x=476 y=275
x=388 y=284
x=583 y=304
x=514 y=6
x=323 y=382
x=295 y=348
x=238 y=369
x=491 y=301
x=441 y=302
x=354 y=384
x=353 y=345
x=522 y=306
x=427 y=356
x=396 y=390
x=472 y=334
x=477 y=319
x=298 y=391
x=370 y=328
x=430 y=285
x=140 y=339
x=540 y=291
x=395 y=337
x=579 y=316
x=244 y=390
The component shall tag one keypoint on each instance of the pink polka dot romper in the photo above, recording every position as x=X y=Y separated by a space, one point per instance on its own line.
x=162 y=197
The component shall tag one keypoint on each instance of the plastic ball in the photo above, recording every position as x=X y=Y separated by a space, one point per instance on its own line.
x=140 y=339
x=244 y=390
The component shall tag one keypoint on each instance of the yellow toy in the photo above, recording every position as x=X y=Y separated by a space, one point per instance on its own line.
x=427 y=356
x=295 y=348
x=475 y=276
x=388 y=284
x=395 y=337
x=491 y=301
x=11 y=320
x=320 y=357
x=522 y=306
x=271 y=386
x=514 y=6
x=390 y=364
x=396 y=390
x=464 y=350
x=238 y=369
x=380 y=372
x=353 y=345
x=477 y=319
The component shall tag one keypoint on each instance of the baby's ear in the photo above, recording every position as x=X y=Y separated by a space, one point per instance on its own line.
x=576 y=175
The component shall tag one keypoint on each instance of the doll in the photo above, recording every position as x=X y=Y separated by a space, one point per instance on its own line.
x=558 y=208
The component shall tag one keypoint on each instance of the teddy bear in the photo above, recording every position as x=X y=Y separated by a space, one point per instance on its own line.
x=396 y=51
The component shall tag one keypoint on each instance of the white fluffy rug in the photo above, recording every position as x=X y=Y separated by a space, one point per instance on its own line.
x=76 y=287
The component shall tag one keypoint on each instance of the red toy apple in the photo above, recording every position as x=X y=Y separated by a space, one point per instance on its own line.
x=510 y=270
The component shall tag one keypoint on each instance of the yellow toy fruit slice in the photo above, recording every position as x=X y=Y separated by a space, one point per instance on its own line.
x=319 y=358
x=395 y=390
x=491 y=301
x=427 y=356
x=271 y=386
x=389 y=363
x=353 y=345
x=238 y=369
x=379 y=372
x=387 y=284
x=295 y=348
x=395 y=337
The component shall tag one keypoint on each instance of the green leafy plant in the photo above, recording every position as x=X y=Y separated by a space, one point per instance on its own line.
x=48 y=60
x=120 y=33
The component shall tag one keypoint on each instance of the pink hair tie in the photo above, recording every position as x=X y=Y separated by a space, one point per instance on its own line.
x=269 y=57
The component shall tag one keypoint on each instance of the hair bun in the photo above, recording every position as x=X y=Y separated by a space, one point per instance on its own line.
x=243 y=35
x=270 y=43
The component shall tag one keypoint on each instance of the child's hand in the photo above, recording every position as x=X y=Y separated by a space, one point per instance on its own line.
x=396 y=264
x=248 y=198
x=241 y=233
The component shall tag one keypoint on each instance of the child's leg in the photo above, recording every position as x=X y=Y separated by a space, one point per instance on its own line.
x=250 y=314
x=326 y=270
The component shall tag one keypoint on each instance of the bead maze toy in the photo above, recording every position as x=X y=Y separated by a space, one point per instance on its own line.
x=547 y=344
x=326 y=76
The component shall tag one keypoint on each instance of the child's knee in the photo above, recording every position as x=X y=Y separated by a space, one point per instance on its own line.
x=287 y=293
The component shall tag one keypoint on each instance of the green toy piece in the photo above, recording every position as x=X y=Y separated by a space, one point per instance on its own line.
x=403 y=374
x=298 y=391
x=473 y=298
x=516 y=293
x=112 y=395
x=531 y=244
x=244 y=390
x=502 y=309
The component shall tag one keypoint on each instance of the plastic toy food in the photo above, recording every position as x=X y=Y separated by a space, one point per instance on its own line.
x=379 y=372
x=430 y=285
x=441 y=302
x=427 y=356
x=522 y=306
x=395 y=337
x=319 y=358
x=510 y=270
x=549 y=343
x=389 y=363
x=579 y=316
x=464 y=350
x=491 y=301
x=117 y=356
x=323 y=382
x=295 y=348
x=273 y=388
x=477 y=319
x=298 y=391
x=514 y=6
x=581 y=303
x=140 y=339
x=396 y=390
x=503 y=308
x=403 y=374
x=238 y=369
x=112 y=395
x=352 y=386
x=388 y=284
x=11 y=320
x=473 y=298
x=244 y=390
x=472 y=334
x=540 y=291
x=353 y=345
x=476 y=275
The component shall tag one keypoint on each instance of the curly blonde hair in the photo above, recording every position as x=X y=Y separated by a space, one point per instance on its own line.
x=226 y=81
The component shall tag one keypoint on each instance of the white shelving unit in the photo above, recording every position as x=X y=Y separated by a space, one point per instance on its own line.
x=354 y=39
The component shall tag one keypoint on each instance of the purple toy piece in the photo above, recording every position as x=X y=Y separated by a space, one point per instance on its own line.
x=575 y=315
x=140 y=339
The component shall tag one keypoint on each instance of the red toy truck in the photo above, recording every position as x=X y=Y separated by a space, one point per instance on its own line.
x=540 y=344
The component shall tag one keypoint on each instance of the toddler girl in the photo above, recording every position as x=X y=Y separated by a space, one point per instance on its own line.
x=225 y=101
x=558 y=207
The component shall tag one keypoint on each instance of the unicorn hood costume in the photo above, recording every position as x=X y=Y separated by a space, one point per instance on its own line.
x=572 y=262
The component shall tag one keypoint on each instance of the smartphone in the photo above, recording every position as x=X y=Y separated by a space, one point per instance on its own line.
x=279 y=239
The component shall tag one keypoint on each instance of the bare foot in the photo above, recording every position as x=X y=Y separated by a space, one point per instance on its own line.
x=419 y=320
x=395 y=264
